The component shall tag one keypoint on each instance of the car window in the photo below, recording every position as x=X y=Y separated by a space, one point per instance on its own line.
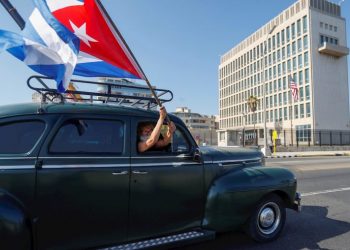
x=20 y=137
x=180 y=143
x=89 y=136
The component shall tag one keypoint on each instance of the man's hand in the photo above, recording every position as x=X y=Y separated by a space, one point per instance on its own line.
x=162 y=113
x=172 y=128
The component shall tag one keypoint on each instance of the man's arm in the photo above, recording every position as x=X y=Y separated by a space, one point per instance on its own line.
x=152 y=140
x=167 y=137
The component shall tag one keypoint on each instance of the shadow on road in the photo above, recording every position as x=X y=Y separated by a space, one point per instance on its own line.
x=303 y=230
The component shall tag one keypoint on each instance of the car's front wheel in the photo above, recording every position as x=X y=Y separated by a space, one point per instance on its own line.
x=267 y=220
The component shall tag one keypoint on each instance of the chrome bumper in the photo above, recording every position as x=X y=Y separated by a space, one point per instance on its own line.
x=297 y=202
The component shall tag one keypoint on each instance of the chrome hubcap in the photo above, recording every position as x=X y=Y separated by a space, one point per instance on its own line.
x=269 y=218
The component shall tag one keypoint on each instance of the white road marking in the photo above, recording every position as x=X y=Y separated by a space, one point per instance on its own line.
x=326 y=191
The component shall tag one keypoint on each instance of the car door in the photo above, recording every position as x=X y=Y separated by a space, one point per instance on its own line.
x=83 y=183
x=166 y=192
x=19 y=144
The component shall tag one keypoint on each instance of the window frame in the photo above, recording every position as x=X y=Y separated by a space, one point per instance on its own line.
x=179 y=127
x=66 y=118
x=36 y=146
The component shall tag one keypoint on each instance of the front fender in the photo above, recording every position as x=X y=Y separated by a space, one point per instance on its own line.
x=233 y=195
x=14 y=229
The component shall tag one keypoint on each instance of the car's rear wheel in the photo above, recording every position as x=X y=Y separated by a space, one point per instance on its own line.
x=267 y=220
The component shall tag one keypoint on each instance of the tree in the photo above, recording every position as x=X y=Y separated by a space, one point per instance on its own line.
x=253 y=104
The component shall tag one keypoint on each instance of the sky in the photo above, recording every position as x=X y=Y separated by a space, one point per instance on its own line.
x=177 y=43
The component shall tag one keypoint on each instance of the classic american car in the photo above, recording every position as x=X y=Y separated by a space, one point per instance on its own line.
x=71 y=178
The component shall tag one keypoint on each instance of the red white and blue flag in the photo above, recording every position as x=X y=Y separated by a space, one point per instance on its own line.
x=103 y=51
x=293 y=88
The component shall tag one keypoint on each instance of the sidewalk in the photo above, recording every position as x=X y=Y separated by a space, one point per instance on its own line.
x=308 y=154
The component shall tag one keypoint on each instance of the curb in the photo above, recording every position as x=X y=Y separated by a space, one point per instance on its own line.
x=312 y=155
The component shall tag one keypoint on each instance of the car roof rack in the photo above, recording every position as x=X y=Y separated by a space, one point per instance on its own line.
x=105 y=92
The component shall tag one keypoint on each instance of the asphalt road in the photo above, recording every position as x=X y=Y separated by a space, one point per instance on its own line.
x=324 y=222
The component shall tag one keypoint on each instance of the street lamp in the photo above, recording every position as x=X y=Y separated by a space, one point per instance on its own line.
x=243 y=130
x=267 y=149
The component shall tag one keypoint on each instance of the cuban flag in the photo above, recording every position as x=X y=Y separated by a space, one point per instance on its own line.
x=45 y=45
x=103 y=51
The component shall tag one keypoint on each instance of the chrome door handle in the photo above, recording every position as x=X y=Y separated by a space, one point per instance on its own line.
x=121 y=173
x=139 y=172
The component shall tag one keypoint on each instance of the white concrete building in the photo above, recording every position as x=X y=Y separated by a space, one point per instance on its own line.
x=307 y=42
x=202 y=127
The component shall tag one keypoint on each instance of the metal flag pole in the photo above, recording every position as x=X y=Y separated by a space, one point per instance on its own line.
x=291 y=110
x=138 y=65
x=13 y=13
x=129 y=50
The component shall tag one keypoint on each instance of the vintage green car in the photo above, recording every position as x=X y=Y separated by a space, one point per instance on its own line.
x=71 y=178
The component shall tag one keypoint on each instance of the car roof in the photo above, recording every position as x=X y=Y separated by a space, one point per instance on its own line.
x=81 y=108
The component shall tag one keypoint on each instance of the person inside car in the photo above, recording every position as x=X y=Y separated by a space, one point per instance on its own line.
x=150 y=137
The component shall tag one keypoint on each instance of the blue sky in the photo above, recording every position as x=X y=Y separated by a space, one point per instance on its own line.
x=178 y=43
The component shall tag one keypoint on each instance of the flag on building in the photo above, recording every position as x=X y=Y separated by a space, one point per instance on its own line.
x=103 y=52
x=293 y=88
x=45 y=45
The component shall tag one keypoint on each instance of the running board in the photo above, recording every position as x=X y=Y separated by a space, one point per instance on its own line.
x=166 y=242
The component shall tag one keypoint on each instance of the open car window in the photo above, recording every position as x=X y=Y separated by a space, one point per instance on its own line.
x=178 y=145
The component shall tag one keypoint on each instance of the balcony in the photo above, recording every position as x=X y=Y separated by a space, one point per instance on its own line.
x=333 y=50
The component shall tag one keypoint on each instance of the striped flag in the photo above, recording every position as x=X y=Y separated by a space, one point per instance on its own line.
x=293 y=88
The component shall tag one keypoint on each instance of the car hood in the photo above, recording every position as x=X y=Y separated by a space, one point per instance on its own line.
x=230 y=154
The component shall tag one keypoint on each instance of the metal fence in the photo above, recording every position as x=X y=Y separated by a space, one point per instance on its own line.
x=297 y=138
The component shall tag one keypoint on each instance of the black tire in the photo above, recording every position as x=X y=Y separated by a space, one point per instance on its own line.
x=267 y=220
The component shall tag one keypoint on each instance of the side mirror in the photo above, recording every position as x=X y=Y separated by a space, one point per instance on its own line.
x=197 y=156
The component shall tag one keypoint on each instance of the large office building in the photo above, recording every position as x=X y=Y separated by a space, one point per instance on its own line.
x=306 y=43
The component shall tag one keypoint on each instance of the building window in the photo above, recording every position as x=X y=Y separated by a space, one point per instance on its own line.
x=321 y=25
x=308 y=110
x=284 y=83
x=307 y=76
x=326 y=26
x=296 y=115
x=279 y=84
x=300 y=60
x=303 y=133
x=285 y=112
x=300 y=78
x=280 y=99
x=302 y=111
x=306 y=58
x=293 y=30
x=293 y=48
x=306 y=42
x=322 y=40
x=289 y=65
x=304 y=23
x=301 y=93
x=282 y=37
x=283 y=52
x=288 y=33
x=285 y=98
x=288 y=50
x=300 y=47
x=335 y=28
x=298 y=27
x=294 y=63
x=307 y=93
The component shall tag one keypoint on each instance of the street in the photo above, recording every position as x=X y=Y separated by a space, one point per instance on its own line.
x=324 y=222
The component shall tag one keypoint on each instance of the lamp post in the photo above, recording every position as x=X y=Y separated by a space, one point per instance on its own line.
x=267 y=149
x=243 y=130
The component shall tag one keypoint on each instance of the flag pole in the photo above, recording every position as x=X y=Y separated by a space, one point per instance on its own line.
x=291 y=110
x=129 y=50
x=13 y=13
